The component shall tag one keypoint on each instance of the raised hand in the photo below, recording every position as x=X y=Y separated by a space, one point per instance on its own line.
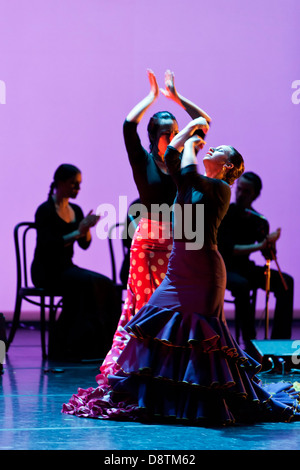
x=268 y=246
x=196 y=142
x=199 y=123
x=153 y=83
x=274 y=236
x=191 y=129
x=138 y=111
x=170 y=91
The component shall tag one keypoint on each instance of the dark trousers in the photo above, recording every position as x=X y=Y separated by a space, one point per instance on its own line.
x=253 y=277
x=90 y=313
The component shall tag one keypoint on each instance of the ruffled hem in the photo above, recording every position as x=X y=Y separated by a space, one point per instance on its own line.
x=185 y=331
x=210 y=409
x=196 y=350
x=97 y=403
x=188 y=369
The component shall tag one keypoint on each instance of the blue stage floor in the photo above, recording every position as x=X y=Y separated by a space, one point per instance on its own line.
x=33 y=391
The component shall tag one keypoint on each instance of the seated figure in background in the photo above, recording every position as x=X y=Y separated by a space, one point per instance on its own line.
x=90 y=306
x=244 y=231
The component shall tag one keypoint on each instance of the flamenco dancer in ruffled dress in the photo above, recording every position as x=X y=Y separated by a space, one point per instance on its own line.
x=181 y=363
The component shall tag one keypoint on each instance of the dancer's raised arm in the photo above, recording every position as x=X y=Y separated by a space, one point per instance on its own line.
x=136 y=114
x=171 y=93
x=179 y=140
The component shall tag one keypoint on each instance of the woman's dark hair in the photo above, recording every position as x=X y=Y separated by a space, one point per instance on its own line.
x=238 y=166
x=154 y=125
x=255 y=180
x=63 y=173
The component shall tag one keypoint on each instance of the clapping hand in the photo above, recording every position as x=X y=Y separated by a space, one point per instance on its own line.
x=153 y=83
x=170 y=91
x=90 y=220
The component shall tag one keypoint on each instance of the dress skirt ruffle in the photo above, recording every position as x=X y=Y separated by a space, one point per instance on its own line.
x=203 y=378
x=196 y=374
x=181 y=362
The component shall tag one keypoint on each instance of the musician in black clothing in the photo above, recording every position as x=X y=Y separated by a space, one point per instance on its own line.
x=90 y=302
x=244 y=231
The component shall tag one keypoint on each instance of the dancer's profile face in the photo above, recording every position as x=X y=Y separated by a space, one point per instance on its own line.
x=168 y=128
x=217 y=156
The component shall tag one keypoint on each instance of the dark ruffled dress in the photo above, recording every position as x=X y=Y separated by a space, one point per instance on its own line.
x=181 y=363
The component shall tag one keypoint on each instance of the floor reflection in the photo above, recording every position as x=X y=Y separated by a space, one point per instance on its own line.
x=33 y=391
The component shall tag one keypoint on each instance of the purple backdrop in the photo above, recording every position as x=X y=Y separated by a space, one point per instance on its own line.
x=70 y=71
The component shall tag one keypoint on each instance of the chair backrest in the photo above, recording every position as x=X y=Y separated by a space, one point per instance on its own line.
x=21 y=231
x=113 y=249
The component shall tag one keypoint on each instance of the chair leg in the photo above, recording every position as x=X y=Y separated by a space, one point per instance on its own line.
x=16 y=321
x=43 y=328
x=52 y=314
x=237 y=327
x=253 y=302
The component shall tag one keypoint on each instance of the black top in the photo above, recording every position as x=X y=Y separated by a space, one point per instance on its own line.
x=51 y=256
x=240 y=227
x=154 y=186
x=194 y=189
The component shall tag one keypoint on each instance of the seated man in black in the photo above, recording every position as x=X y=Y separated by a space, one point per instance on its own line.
x=244 y=231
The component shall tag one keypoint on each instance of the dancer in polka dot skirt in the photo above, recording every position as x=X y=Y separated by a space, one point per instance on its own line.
x=152 y=241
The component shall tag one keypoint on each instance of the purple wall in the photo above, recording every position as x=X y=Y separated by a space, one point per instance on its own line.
x=70 y=71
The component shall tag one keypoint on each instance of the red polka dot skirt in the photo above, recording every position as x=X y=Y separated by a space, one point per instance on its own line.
x=149 y=256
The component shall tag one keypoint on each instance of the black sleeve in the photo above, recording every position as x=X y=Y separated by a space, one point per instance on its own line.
x=173 y=162
x=136 y=152
x=82 y=242
x=262 y=229
x=223 y=191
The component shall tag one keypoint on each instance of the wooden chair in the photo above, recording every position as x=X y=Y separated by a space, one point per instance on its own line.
x=112 y=251
x=33 y=295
